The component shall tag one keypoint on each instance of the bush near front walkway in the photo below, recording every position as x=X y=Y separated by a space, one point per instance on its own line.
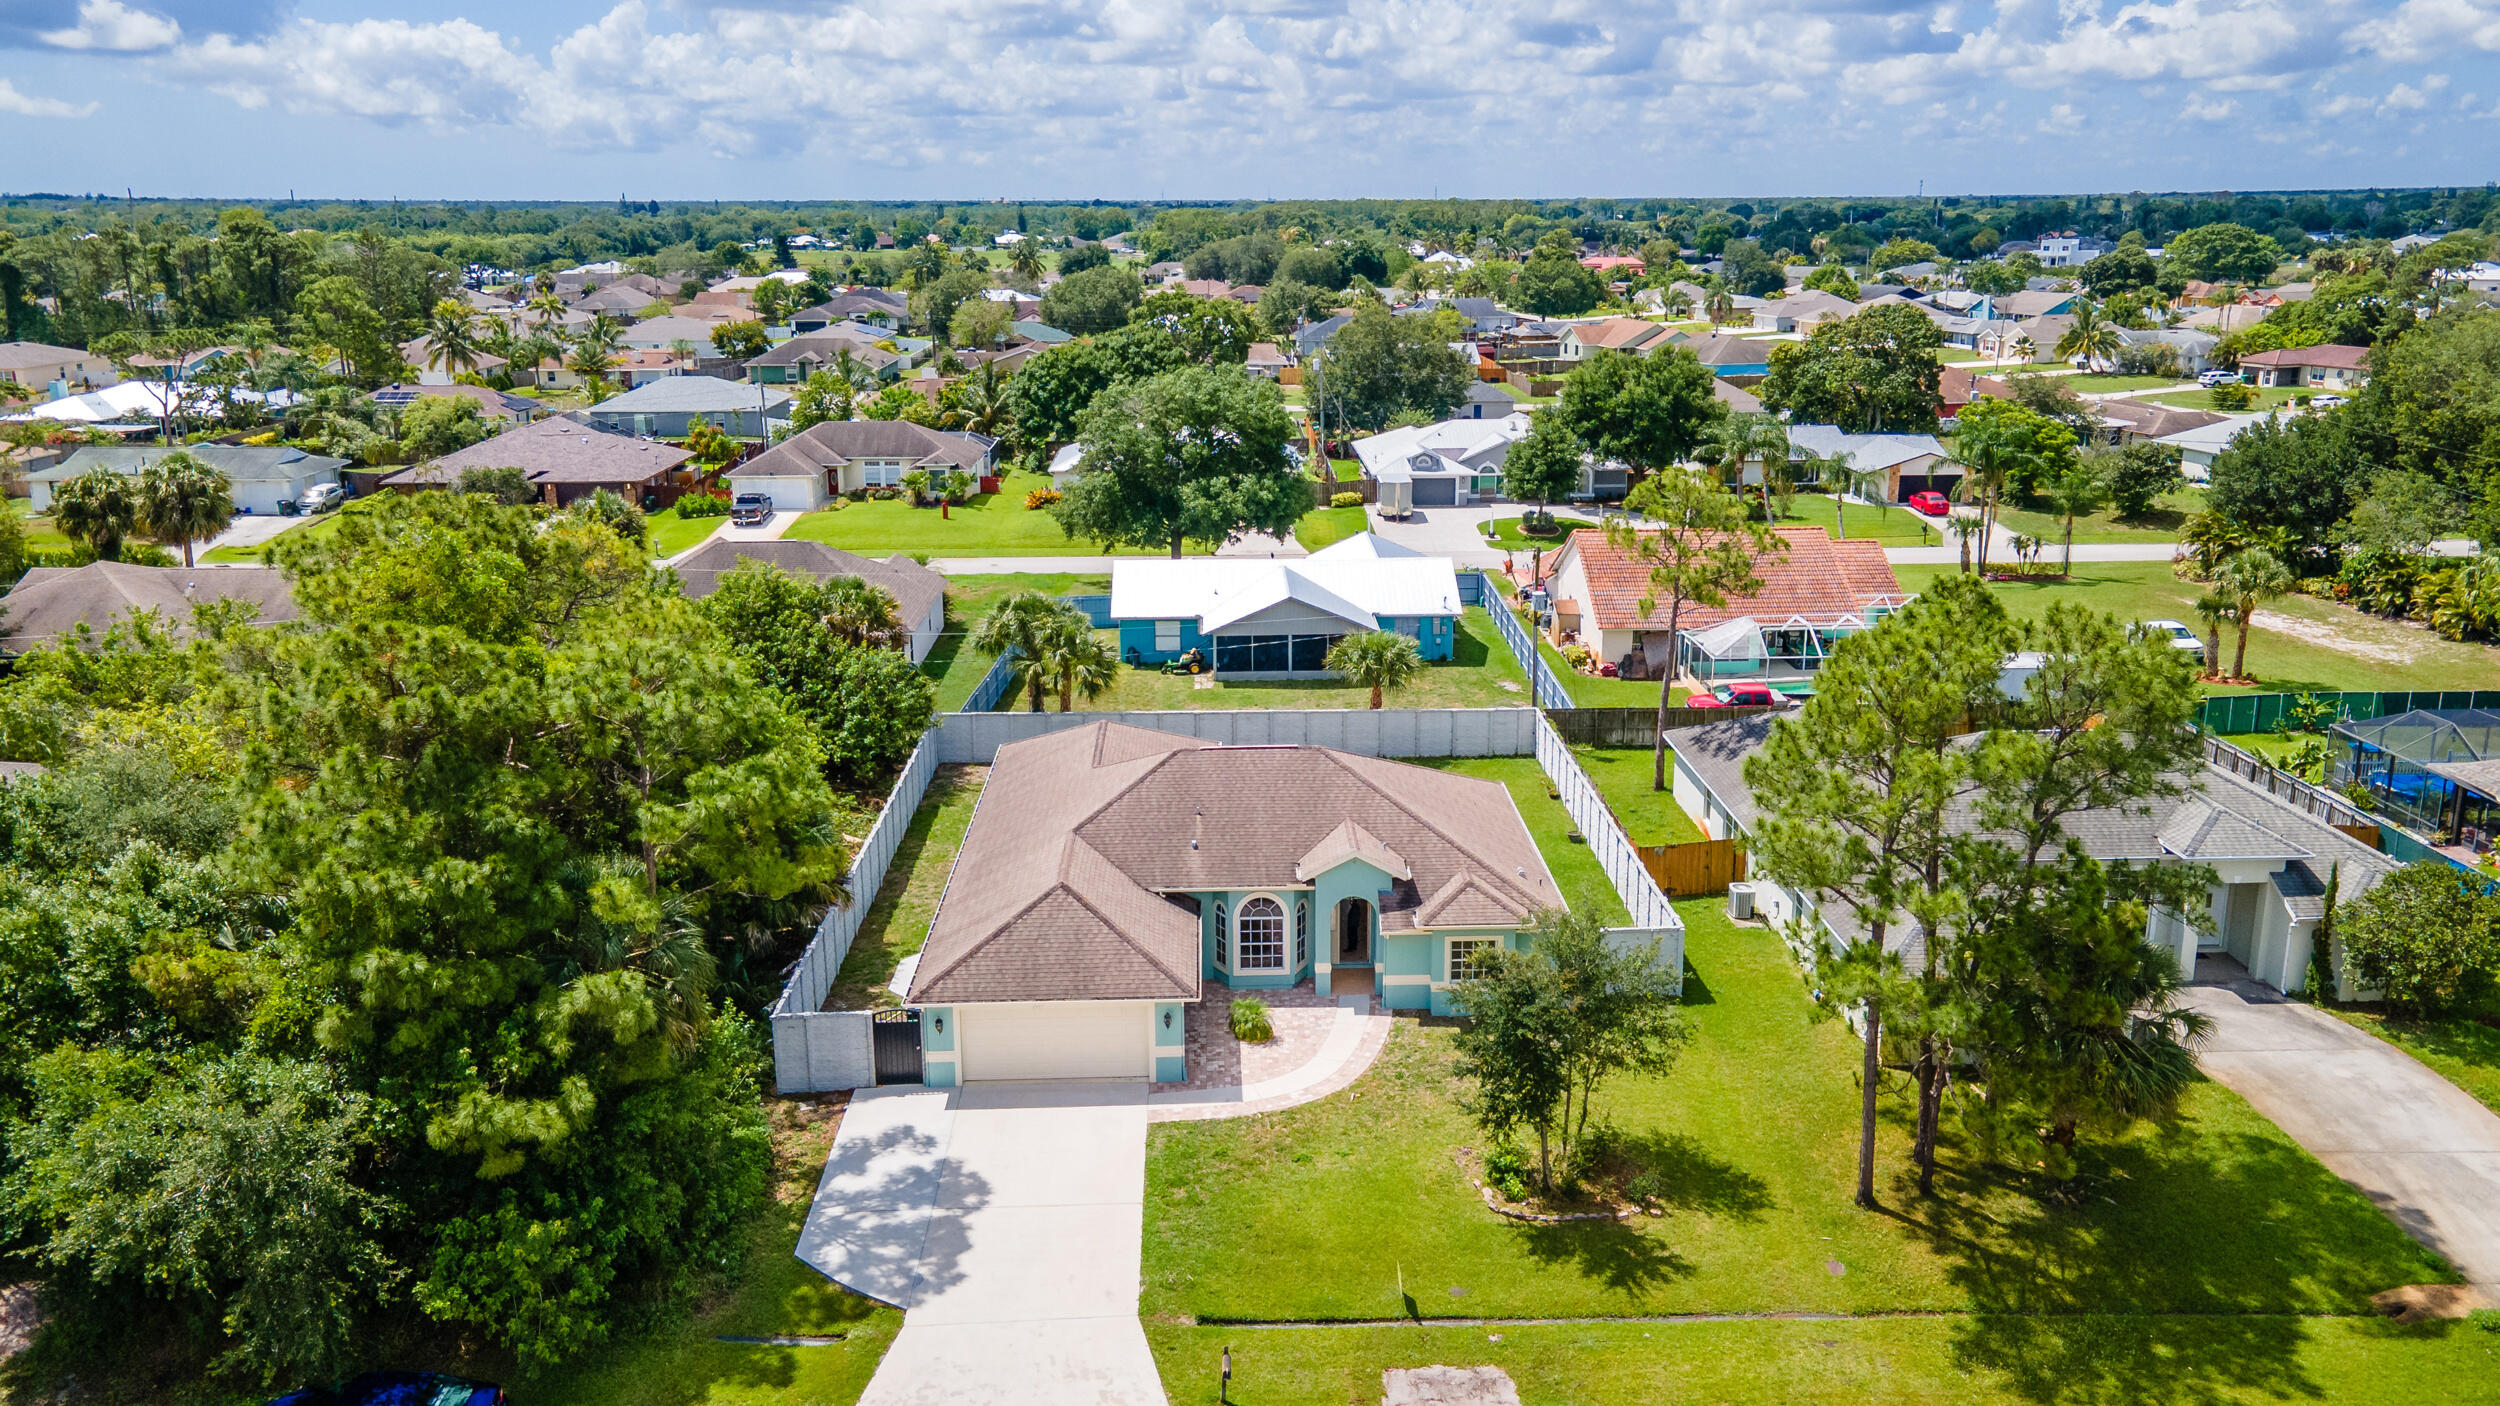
x=1318 y=1212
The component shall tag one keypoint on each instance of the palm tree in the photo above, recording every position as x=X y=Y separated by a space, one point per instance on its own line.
x=2024 y=348
x=1993 y=451
x=1026 y=259
x=1377 y=660
x=1720 y=306
x=1016 y=631
x=594 y=348
x=2247 y=581
x=2078 y=490
x=2091 y=336
x=861 y=612
x=98 y=508
x=1675 y=302
x=451 y=337
x=1742 y=437
x=981 y=401
x=1079 y=658
x=183 y=500
x=2212 y=608
x=549 y=306
x=851 y=370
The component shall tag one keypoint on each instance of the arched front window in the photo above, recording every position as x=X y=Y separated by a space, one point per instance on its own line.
x=1259 y=936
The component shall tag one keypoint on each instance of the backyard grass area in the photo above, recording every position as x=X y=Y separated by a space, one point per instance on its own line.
x=2462 y=1049
x=2103 y=382
x=1507 y=536
x=1622 y=776
x=671 y=534
x=1577 y=873
x=681 y=1360
x=1325 y=527
x=1890 y=524
x=897 y=922
x=1587 y=690
x=2268 y=398
x=958 y=670
x=2299 y=644
x=43 y=534
x=1346 y=470
x=1479 y=674
x=1967 y=1361
x=1354 y=1207
x=2161 y=524
x=991 y=525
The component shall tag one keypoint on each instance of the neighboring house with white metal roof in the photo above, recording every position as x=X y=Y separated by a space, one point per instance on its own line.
x=1278 y=618
x=1448 y=464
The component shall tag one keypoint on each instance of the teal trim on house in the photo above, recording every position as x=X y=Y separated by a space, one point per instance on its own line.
x=937 y=1029
x=1220 y=950
x=937 y=1073
x=1405 y=995
x=1162 y=641
x=1171 y=1023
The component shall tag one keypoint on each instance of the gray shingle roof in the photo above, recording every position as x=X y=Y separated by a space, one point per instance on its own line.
x=696 y=395
x=242 y=463
x=556 y=451
x=915 y=588
x=49 y=602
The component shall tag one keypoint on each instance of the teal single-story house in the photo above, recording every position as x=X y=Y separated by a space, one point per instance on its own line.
x=1279 y=618
x=1110 y=873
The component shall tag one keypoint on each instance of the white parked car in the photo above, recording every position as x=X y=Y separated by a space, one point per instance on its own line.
x=2327 y=402
x=2181 y=638
x=2217 y=377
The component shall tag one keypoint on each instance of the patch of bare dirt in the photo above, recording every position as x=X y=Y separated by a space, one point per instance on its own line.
x=2328 y=636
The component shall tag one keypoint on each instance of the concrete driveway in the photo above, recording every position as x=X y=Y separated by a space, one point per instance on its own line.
x=249 y=530
x=2423 y=1149
x=1006 y=1220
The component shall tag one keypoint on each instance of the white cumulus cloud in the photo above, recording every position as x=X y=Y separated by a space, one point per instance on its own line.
x=28 y=105
x=113 y=27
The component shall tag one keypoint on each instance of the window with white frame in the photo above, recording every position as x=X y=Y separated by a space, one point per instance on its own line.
x=1469 y=956
x=1223 y=934
x=1167 y=635
x=880 y=473
x=1301 y=932
x=1259 y=936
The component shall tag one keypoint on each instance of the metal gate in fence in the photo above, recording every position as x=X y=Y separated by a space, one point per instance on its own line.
x=895 y=1038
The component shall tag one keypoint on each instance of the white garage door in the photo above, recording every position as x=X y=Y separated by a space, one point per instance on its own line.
x=1075 y=1040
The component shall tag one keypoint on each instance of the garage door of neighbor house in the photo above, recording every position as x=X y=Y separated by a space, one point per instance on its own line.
x=1075 y=1040
x=1439 y=491
x=1920 y=483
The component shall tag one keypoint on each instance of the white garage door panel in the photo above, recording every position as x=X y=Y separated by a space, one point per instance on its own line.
x=1074 y=1041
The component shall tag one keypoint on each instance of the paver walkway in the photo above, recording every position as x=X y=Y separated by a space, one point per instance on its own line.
x=1007 y=1221
x=2423 y=1149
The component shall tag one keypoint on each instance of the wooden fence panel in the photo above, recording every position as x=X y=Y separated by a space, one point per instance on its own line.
x=1694 y=870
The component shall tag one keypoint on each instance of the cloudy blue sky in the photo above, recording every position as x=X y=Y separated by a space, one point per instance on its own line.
x=1140 y=99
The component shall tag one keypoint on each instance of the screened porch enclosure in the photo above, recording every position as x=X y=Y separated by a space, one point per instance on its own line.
x=2434 y=772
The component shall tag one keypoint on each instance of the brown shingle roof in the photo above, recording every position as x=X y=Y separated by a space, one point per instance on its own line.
x=915 y=588
x=51 y=601
x=1057 y=893
x=2335 y=357
x=1816 y=578
x=553 y=451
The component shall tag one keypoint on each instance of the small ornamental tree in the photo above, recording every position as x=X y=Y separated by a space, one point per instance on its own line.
x=1701 y=549
x=1376 y=660
x=1544 y=466
x=2427 y=935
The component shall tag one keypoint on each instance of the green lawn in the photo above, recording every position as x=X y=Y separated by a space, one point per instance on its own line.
x=991 y=525
x=1346 y=470
x=2162 y=524
x=2338 y=648
x=1507 y=536
x=1325 y=527
x=958 y=670
x=1480 y=673
x=2271 y=746
x=1622 y=775
x=1353 y=1207
x=2268 y=398
x=671 y=534
x=2464 y=1049
x=1576 y=871
x=1891 y=524
x=2103 y=383
x=251 y=556
x=41 y=533
x=681 y=1361
x=2087 y=1360
x=898 y=921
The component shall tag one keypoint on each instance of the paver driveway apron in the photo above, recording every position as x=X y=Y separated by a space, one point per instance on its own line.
x=2423 y=1149
x=1005 y=1219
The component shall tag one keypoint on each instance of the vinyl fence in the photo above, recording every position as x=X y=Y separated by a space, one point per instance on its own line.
x=992 y=687
x=1388 y=732
x=815 y=1049
x=1548 y=689
x=2258 y=712
x=1615 y=852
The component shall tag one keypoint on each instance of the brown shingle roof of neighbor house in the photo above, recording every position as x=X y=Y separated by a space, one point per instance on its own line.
x=52 y=601
x=819 y=447
x=1816 y=578
x=2145 y=420
x=553 y=451
x=2332 y=357
x=915 y=588
x=1737 y=399
x=1622 y=333
x=25 y=356
x=1958 y=386
x=1265 y=354
x=1059 y=886
x=1715 y=350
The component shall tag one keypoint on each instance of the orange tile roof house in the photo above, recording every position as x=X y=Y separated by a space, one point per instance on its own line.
x=1112 y=873
x=1812 y=595
x=2329 y=368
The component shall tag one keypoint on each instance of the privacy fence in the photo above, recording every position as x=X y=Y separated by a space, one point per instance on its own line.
x=2259 y=712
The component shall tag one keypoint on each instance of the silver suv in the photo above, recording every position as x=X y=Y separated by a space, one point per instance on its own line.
x=2181 y=638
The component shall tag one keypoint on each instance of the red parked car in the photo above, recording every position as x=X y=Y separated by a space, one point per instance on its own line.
x=1931 y=503
x=1747 y=695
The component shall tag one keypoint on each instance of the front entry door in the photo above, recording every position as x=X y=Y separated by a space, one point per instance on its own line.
x=1354 y=933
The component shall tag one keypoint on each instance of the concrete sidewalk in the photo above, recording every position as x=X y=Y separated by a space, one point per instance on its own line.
x=2423 y=1149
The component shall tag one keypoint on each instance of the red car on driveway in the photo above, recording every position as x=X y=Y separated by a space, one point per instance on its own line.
x=1931 y=503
